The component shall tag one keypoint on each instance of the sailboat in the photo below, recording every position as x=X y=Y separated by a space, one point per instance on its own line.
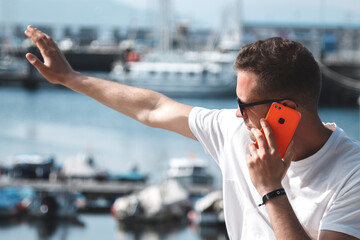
x=185 y=75
x=179 y=73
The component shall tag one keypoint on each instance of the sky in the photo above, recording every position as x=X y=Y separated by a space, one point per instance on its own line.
x=198 y=13
x=328 y=12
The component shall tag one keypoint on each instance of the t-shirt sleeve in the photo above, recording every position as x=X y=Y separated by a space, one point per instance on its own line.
x=209 y=128
x=344 y=213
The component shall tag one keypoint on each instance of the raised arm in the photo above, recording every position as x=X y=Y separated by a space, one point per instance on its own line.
x=148 y=107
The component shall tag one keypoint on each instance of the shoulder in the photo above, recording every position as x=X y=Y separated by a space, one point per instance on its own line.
x=218 y=115
x=345 y=149
x=218 y=120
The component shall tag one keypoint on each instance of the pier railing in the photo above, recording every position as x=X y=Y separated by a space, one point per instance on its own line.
x=344 y=81
x=94 y=188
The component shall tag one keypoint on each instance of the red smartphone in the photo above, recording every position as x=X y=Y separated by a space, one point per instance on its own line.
x=283 y=122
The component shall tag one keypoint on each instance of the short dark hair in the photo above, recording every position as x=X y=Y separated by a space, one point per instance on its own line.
x=285 y=69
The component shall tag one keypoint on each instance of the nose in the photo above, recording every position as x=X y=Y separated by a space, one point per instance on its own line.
x=239 y=115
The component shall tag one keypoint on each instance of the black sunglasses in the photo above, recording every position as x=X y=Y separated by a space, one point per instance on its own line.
x=242 y=106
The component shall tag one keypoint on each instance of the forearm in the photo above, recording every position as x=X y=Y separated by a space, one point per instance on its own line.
x=148 y=107
x=283 y=219
x=134 y=102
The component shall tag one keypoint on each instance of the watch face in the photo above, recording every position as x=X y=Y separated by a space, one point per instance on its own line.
x=271 y=195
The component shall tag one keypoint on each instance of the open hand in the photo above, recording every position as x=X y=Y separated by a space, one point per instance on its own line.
x=266 y=167
x=55 y=68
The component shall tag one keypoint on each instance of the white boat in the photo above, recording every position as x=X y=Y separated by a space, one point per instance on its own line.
x=155 y=204
x=208 y=210
x=180 y=74
x=82 y=166
x=189 y=171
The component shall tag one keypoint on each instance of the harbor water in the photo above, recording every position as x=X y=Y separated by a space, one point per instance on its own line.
x=63 y=123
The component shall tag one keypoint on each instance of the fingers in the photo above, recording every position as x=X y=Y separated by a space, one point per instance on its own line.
x=265 y=165
x=260 y=139
x=43 y=41
x=37 y=36
x=55 y=67
x=265 y=142
x=35 y=61
x=252 y=149
x=268 y=134
x=50 y=42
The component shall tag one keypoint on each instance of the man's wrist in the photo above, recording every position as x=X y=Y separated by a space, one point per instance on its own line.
x=73 y=79
x=271 y=195
x=269 y=188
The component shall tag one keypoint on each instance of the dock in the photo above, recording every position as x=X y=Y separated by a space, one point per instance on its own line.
x=93 y=188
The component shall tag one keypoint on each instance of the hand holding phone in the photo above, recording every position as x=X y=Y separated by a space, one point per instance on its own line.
x=283 y=122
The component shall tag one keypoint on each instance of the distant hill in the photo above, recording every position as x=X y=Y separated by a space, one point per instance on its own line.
x=74 y=12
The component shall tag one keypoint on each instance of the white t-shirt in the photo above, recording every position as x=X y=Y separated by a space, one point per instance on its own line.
x=323 y=189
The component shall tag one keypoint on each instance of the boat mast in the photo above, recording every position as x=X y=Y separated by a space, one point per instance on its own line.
x=239 y=25
x=165 y=23
x=232 y=21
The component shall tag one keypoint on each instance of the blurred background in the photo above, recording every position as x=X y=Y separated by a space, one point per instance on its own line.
x=71 y=168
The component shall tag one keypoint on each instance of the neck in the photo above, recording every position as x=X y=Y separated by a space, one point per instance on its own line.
x=310 y=136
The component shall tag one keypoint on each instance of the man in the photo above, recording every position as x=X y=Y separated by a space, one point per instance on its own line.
x=322 y=183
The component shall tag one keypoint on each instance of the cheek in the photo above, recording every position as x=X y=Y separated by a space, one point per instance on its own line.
x=254 y=121
x=257 y=123
x=255 y=116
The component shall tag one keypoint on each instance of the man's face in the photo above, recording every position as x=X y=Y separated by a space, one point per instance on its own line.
x=246 y=92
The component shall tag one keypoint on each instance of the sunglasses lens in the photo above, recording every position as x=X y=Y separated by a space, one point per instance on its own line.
x=240 y=106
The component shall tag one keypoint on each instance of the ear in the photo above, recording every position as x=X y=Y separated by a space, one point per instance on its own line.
x=290 y=104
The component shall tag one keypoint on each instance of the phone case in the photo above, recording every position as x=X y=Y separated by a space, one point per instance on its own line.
x=283 y=122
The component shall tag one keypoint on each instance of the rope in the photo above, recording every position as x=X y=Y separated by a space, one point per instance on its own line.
x=340 y=79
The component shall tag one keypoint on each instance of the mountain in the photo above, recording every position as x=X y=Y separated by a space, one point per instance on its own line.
x=74 y=12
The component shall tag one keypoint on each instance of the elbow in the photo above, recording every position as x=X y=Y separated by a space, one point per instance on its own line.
x=147 y=120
